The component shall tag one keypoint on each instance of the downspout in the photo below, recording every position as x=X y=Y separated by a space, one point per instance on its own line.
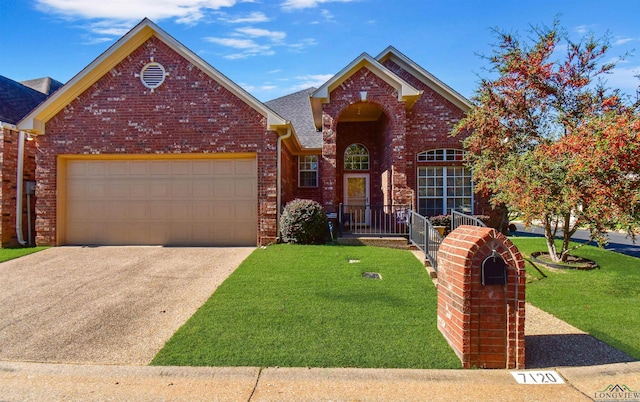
x=20 y=188
x=279 y=180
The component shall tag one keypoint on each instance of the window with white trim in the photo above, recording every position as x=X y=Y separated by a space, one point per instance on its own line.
x=308 y=171
x=444 y=188
x=441 y=155
x=356 y=157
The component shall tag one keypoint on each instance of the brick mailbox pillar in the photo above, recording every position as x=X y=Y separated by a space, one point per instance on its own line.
x=481 y=298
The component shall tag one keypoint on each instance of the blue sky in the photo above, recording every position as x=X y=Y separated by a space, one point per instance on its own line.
x=276 y=47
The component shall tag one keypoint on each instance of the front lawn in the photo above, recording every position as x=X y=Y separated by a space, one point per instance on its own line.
x=309 y=306
x=602 y=302
x=7 y=254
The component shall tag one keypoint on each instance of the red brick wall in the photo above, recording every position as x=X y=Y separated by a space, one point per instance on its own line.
x=483 y=324
x=189 y=113
x=8 y=188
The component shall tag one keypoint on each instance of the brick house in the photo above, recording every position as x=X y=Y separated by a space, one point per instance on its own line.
x=17 y=158
x=149 y=144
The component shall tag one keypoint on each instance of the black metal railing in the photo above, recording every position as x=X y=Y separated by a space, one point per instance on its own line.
x=425 y=237
x=459 y=219
x=378 y=220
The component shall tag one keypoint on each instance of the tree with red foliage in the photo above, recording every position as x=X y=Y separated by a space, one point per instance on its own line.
x=548 y=140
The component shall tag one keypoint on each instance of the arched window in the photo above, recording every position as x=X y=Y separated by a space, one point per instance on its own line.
x=356 y=157
x=441 y=155
x=444 y=187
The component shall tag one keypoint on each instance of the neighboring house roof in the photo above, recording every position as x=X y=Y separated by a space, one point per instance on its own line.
x=17 y=100
x=393 y=54
x=297 y=108
x=36 y=120
x=46 y=85
x=406 y=92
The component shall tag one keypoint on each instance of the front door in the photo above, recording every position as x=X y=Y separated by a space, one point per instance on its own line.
x=356 y=197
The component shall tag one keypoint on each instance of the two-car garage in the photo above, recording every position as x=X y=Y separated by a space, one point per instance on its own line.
x=183 y=200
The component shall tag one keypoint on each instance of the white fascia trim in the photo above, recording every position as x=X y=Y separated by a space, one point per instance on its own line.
x=7 y=125
x=405 y=90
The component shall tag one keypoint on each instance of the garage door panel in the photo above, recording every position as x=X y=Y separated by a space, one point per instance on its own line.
x=181 y=190
x=224 y=167
x=159 y=169
x=173 y=202
x=202 y=168
x=118 y=169
x=158 y=189
x=95 y=170
x=118 y=211
x=246 y=189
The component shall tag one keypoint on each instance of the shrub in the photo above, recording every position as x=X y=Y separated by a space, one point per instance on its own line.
x=304 y=222
x=441 y=220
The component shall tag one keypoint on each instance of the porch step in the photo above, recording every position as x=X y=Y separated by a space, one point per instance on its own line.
x=389 y=242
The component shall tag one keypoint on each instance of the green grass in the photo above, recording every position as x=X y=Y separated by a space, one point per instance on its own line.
x=7 y=254
x=307 y=306
x=602 y=302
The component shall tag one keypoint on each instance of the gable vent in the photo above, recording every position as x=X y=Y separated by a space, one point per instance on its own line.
x=152 y=75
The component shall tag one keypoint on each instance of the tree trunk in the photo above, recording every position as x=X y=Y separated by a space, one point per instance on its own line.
x=566 y=237
x=550 y=236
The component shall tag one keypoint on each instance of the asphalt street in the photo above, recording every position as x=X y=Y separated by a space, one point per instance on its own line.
x=618 y=242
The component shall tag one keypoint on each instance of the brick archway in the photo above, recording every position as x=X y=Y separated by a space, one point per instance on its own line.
x=388 y=141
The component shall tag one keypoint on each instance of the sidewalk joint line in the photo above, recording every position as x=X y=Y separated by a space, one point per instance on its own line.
x=255 y=386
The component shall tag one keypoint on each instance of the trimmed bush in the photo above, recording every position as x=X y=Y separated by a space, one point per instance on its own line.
x=304 y=222
x=441 y=220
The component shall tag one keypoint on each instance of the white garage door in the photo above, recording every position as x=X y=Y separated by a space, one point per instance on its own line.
x=161 y=201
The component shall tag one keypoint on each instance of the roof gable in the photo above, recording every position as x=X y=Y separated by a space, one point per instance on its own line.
x=46 y=85
x=17 y=100
x=393 y=54
x=36 y=120
x=406 y=92
x=296 y=108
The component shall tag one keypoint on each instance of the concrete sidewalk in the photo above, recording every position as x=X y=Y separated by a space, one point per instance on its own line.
x=37 y=381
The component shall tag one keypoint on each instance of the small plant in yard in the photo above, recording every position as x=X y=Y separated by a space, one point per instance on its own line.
x=441 y=220
x=304 y=222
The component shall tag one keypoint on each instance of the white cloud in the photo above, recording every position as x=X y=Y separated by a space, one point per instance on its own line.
x=109 y=28
x=235 y=43
x=257 y=42
x=583 y=29
x=185 y=11
x=290 y=5
x=89 y=40
x=311 y=80
x=247 y=47
x=621 y=41
x=624 y=78
x=275 y=36
x=252 y=18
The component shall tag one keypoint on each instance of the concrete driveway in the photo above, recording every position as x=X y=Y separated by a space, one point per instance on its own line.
x=105 y=305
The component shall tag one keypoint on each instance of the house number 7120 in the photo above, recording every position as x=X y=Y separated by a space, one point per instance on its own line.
x=537 y=377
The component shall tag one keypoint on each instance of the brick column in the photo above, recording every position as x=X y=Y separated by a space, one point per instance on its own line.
x=484 y=324
x=328 y=164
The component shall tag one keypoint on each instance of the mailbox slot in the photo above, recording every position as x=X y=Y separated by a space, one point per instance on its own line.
x=494 y=270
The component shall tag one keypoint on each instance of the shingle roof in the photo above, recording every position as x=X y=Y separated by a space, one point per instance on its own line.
x=46 y=85
x=297 y=108
x=17 y=100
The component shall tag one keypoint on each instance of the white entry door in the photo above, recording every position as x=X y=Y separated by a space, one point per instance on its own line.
x=356 y=197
